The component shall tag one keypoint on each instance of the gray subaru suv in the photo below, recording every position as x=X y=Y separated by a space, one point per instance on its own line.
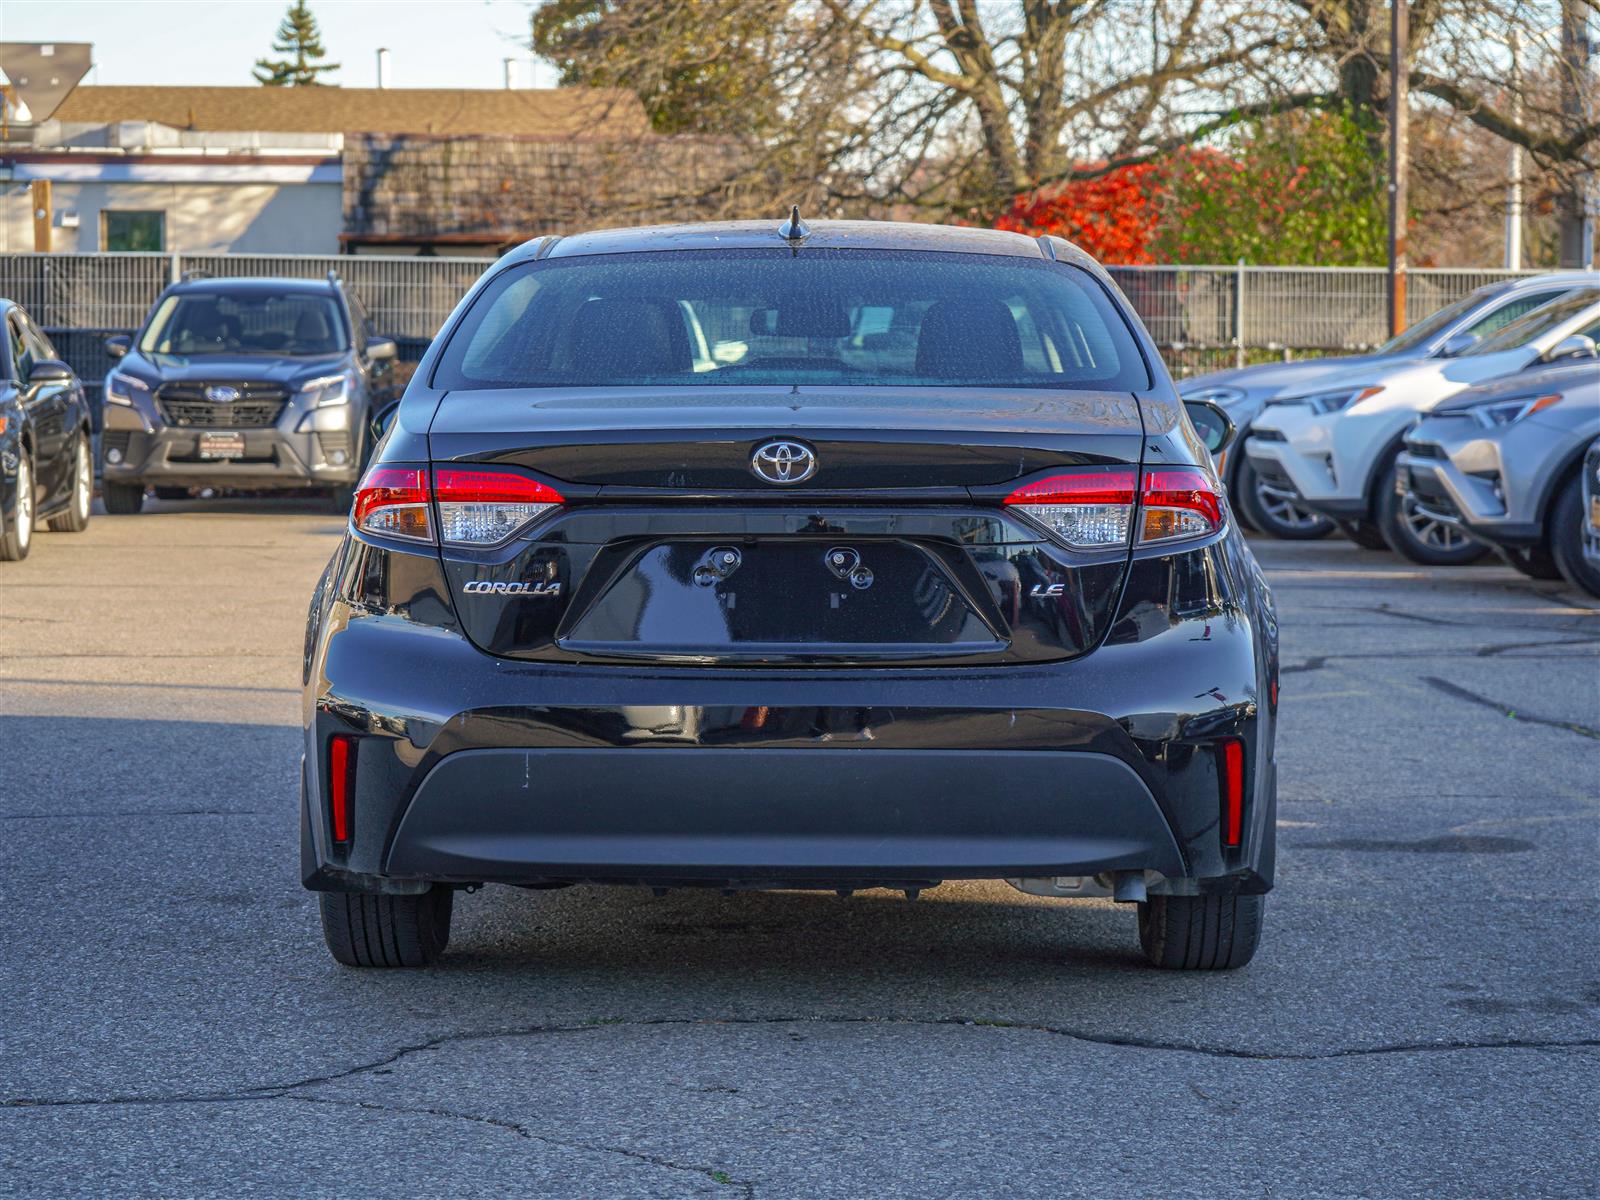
x=243 y=383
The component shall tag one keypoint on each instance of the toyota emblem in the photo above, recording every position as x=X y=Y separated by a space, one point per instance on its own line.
x=219 y=394
x=783 y=462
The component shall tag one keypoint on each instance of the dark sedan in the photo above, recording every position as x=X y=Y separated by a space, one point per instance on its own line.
x=670 y=572
x=46 y=452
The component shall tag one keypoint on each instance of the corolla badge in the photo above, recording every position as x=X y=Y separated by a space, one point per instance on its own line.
x=219 y=393
x=783 y=462
x=498 y=588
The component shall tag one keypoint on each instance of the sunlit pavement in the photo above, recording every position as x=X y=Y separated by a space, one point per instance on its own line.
x=1423 y=1018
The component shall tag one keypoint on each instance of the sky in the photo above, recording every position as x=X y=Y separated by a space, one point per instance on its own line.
x=432 y=43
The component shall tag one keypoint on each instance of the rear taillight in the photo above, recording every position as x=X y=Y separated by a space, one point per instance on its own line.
x=476 y=506
x=1094 y=510
x=1179 y=502
x=1090 y=510
x=393 y=502
x=483 y=506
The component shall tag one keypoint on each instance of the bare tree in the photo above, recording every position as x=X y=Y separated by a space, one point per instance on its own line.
x=957 y=106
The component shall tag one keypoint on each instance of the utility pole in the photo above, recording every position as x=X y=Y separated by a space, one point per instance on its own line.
x=1514 y=173
x=39 y=193
x=1399 y=162
x=1577 y=206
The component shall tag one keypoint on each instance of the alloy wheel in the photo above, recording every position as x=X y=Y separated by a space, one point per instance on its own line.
x=24 y=504
x=83 y=484
x=1282 y=506
x=1430 y=531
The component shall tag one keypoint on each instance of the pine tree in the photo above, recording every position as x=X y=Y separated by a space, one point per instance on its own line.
x=299 y=36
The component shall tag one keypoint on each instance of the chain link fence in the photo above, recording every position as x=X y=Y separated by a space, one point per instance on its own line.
x=1203 y=318
x=1207 y=318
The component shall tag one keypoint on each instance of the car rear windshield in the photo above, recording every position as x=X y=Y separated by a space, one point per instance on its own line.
x=245 y=322
x=708 y=318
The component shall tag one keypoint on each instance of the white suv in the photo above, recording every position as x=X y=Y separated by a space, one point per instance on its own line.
x=1334 y=445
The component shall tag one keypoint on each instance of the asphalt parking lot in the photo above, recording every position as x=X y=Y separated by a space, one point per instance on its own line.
x=1423 y=1018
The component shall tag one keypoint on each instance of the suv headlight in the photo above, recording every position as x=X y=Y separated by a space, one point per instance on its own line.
x=1504 y=412
x=1330 y=402
x=1217 y=394
x=120 y=388
x=329 y=390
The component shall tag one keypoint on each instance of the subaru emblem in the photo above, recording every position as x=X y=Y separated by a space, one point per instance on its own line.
x=222 y=394
x=783 y=462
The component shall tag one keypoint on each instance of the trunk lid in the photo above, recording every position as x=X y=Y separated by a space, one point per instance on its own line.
x=895 y=550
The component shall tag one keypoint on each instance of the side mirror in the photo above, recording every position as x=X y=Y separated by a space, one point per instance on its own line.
x=381 y=349
x=1458 y=343
x=1214 y=426
x=1574 y=345
x=50 y=370
x=381 y=420
x=118 y=344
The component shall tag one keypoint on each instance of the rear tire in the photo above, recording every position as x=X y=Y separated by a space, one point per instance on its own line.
x=1364 y=534
x=76 y=518
x=122 y=499
x=1276 y=515
x=1566 y=538
x=1200 y=933
x=387 y=931
x=17 y=538
x=1417 y=537
x=1533 y=561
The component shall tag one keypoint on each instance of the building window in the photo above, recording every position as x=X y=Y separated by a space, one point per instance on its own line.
x=133 y=230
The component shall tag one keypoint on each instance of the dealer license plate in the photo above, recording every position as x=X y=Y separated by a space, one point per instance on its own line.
x=221 y=445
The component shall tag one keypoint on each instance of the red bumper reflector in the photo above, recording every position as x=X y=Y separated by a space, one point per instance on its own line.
x=1231 y=754
x=341 y=781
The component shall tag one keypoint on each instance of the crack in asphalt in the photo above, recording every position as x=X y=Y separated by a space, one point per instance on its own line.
x=1582 y=623
x=1505 y=710
x=273 y=1091
x=1316 y=662
x=713 y=1174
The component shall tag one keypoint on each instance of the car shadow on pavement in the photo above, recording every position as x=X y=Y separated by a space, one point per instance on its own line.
x=294 y=505
x=977 y=927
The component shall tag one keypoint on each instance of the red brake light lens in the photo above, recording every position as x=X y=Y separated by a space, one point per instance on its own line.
x=392 y=501
x=484 y=506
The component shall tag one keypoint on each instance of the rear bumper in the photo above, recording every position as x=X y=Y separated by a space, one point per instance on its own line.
x=471 y=768
x=720 y=813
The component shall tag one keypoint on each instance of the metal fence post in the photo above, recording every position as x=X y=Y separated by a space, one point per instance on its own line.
x=1238 y=313
x=174 y=268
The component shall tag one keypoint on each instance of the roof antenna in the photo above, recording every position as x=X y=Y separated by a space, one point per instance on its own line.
x=794 y=229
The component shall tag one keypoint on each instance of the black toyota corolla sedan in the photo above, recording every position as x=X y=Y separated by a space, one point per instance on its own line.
x=763 y=556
